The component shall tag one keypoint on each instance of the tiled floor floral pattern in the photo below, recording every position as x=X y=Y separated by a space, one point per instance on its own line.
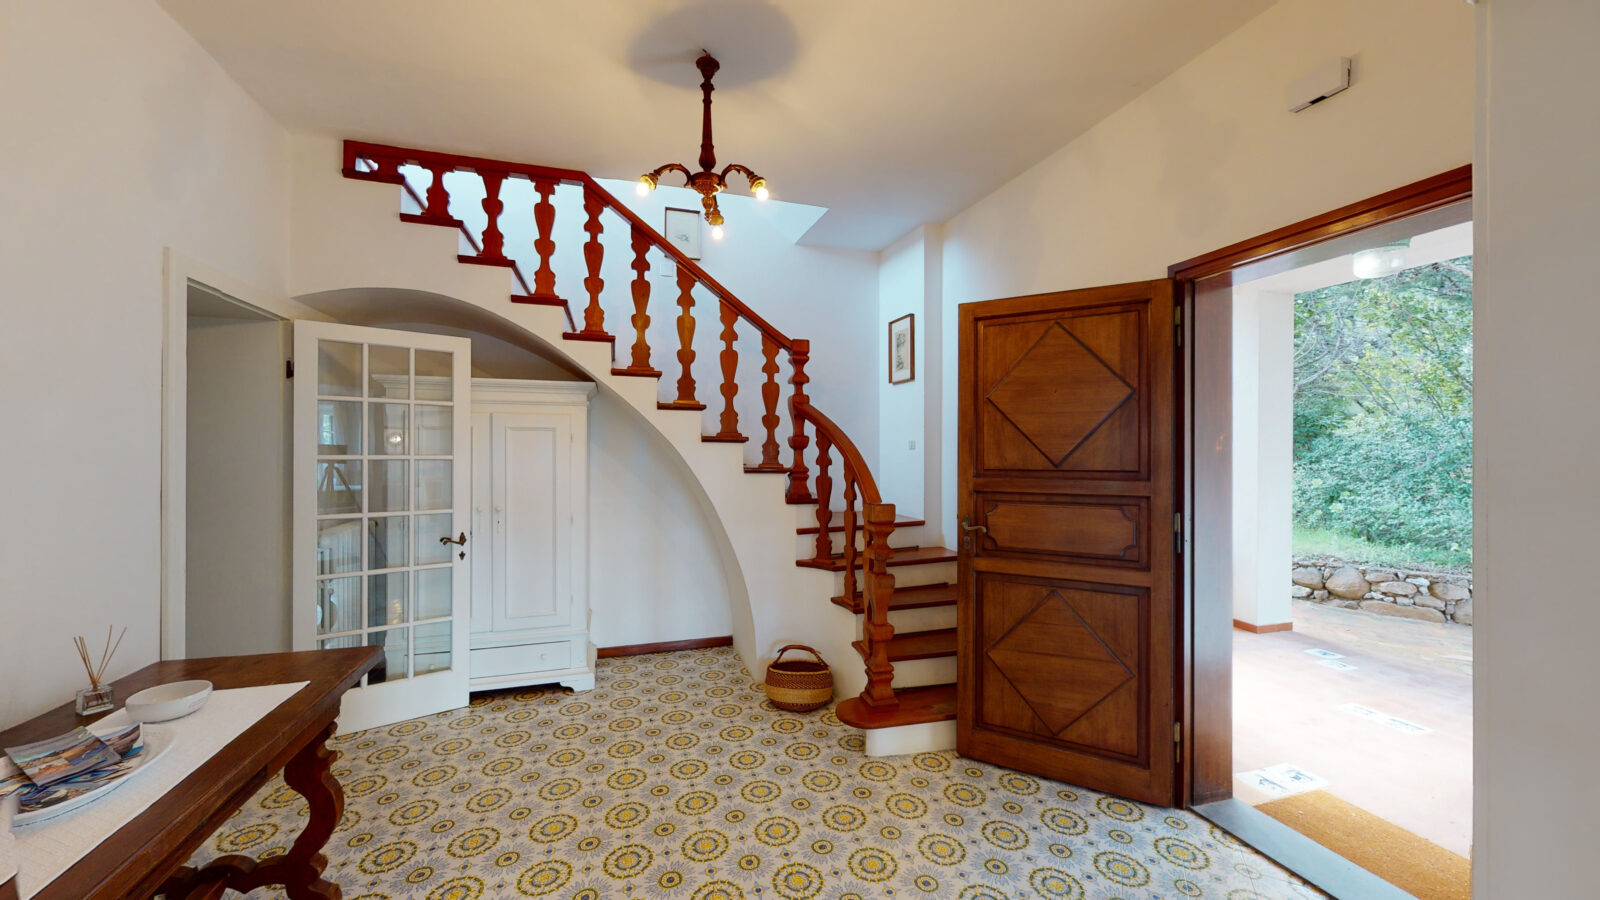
x=675 y=779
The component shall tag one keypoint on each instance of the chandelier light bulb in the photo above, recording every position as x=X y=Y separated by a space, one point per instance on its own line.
x=716 y=232
x=761 y=189
x=642 y=189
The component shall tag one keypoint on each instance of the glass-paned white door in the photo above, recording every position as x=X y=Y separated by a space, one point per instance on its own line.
x=382 y=485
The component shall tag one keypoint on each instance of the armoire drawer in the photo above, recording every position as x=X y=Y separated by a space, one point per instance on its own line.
x=492 y=662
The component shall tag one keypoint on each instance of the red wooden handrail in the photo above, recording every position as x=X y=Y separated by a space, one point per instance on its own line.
x=356 y=150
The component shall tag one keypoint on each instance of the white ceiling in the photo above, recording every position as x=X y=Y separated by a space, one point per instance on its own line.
x=890 y=113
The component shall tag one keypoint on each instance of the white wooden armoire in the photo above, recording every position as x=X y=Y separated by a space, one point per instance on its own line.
x=530 y=527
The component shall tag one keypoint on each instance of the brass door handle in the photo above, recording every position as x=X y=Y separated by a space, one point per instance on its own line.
x=462 y=540
x=966 y=525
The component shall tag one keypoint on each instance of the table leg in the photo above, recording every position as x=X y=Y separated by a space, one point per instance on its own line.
x=309 y=772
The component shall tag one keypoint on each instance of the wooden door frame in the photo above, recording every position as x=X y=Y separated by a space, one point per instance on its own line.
x=1206 y=628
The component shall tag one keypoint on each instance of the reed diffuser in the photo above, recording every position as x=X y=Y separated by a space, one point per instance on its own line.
x=98 y=697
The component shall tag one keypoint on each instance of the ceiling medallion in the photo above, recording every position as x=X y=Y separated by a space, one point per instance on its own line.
x=706 y=182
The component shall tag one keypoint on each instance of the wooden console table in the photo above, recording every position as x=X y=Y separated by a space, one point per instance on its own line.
x=147 y=856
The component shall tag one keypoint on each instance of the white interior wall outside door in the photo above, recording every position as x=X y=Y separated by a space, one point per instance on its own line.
x=382 y=489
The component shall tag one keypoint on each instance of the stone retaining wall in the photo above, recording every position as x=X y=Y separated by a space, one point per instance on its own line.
x=1385 y=590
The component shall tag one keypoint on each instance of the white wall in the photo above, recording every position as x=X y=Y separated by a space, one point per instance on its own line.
x=1210 y=156
x=237 y=585
x=1263 y=454
x=121 y=137
x=655 y=571
x=1537 y=207
x=902 y=290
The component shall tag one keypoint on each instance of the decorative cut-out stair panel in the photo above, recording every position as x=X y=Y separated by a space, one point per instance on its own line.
x=355 y=234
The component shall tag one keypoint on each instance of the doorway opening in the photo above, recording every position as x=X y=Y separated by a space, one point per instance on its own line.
x=1330 y=445
x=1352 y=486
x=236 y=564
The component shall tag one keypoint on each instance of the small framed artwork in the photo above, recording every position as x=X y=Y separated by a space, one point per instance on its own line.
x=682 y=228
x=902 y=349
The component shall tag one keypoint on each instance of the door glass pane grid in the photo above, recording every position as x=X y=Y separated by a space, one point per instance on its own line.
x=381 y=457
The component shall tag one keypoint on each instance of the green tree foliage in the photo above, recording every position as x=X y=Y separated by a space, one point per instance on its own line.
x=1383 y=408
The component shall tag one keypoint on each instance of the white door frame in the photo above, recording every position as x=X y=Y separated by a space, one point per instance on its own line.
x=179 y=271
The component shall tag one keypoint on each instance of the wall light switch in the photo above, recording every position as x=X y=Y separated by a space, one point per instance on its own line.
x=913 y=444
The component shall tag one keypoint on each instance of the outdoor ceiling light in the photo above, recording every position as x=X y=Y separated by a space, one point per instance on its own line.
x=1379 y=261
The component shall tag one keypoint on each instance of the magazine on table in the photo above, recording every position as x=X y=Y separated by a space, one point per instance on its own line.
x=54 y=771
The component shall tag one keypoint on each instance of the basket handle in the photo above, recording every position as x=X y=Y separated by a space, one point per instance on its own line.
x=789 y=647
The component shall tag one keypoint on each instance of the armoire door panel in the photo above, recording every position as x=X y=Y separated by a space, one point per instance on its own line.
x=531 y=507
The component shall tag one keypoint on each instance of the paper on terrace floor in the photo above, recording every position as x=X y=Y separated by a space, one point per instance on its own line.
x=45 y=850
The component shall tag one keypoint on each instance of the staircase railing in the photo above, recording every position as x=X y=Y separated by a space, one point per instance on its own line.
x=867 y=565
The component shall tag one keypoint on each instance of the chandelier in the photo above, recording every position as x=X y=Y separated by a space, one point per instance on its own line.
x=706 y=182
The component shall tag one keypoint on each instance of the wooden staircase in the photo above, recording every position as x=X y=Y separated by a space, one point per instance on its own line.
x=846 y=527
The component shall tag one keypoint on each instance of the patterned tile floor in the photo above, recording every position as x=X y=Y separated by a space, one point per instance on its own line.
x=675 y=779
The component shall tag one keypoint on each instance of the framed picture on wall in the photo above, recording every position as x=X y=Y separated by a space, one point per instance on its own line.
x=902 y=349
x=682 y=228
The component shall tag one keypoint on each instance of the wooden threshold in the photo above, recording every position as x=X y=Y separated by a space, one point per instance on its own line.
x=934 y=703
x=725 y=640
x=1273 y=628
x=1330 y=872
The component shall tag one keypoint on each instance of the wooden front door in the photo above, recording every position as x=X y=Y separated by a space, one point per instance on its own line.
x=1068 y=604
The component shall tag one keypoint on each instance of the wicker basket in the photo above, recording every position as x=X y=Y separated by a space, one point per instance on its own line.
x=799 y=685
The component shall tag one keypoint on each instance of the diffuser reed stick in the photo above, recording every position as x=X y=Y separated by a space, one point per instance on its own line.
x=99 y=696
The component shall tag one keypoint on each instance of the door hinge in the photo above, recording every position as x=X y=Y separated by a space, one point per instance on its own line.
x=1177 y=738
x=1177 y=533
x=1177 y=325
x=288 y=368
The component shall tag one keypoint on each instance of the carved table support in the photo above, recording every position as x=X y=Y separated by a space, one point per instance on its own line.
x=309 y=772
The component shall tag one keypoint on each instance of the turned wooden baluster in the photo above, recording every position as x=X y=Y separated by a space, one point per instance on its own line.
x=685 y=399
x=728 y=428
x=850 y=535
x=544 y=217
x=824 y=492
x=640 y=364
x=439 y=196
x=494 y=241
x=877 y=590
x=799 y=491
x=769 y=400
x=594 y=317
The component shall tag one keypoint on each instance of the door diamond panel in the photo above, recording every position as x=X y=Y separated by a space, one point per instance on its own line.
x=1031 y=656
x=1059 y=393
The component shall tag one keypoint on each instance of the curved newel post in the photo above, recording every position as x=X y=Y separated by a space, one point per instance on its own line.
x=877 y=590
x=824 y=493
x=594 y=316
x=799 y=491
x=639 y=364
x=686 y=353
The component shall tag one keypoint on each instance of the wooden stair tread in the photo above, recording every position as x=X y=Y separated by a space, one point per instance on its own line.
x=917 y=645
x=901 y=556
x=918 y=597
x=934 y=703
x=838 y=523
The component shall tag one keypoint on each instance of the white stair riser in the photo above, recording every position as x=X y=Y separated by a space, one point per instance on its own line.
x=920 y=672
x=805 y=545
x=926 y=737
x=908 y=576
x=928 y=618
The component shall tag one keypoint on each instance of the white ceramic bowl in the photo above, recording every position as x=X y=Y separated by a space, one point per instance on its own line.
x=168 y=701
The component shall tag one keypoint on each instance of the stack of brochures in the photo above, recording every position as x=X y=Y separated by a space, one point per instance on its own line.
x=64 y=768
